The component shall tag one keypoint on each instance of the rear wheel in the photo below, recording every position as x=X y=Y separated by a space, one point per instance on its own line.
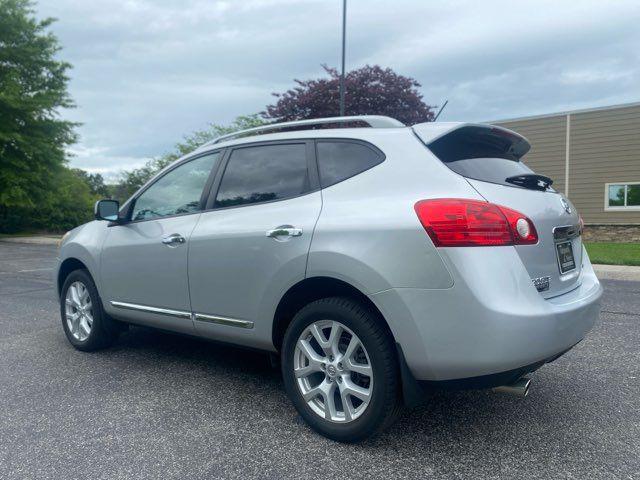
x=85 y=323
x=340 y=370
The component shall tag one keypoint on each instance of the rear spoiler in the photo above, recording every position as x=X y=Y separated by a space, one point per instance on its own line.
x=457 y=141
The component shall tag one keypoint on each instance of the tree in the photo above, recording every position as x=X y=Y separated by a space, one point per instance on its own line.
x=71 y=203
x=370 y=90
x=132 y=180
x=94 y=181
x=33 y=87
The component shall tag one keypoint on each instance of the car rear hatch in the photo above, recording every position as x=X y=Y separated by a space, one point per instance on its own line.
x=489 y=157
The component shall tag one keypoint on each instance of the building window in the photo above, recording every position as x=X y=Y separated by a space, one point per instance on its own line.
x=622 y=196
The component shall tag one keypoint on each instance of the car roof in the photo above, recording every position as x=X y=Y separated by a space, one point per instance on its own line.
x=429 y=132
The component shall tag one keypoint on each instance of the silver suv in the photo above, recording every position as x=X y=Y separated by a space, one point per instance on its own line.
x=379 y=261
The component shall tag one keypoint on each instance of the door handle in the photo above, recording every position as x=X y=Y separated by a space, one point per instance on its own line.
x=284 y=231
x=173 y=240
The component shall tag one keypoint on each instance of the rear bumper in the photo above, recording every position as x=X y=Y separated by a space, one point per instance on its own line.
x=413 y=391
x=491 y=321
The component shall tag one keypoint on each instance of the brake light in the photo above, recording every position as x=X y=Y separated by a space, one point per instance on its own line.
x=454 y=222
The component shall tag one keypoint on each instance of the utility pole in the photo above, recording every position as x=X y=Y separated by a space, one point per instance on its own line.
x=344 y=34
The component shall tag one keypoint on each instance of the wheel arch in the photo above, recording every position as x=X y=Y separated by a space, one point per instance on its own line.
x=66 y=267
x=309 y=290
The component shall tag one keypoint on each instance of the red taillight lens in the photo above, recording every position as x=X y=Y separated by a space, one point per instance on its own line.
x=453 y=222
x=522 y=229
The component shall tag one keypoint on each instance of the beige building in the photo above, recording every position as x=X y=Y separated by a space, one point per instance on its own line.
x=593 y=157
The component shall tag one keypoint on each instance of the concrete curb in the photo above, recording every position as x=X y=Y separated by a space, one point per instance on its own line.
x=32 y=240
x=617 y=272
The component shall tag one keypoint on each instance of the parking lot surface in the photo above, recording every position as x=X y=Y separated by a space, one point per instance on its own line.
x=162 y=406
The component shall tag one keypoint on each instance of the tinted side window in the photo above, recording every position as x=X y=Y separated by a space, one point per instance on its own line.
x=264 y=173
x=176 y=192
x=338 y=160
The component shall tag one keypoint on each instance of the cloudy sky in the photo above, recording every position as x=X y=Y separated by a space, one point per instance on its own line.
x=147 y=72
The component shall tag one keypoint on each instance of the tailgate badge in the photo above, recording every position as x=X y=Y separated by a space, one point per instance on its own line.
x=565 y=204
x=541 y=283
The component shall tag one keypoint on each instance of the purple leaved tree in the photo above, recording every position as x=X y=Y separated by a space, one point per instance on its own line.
x=370 y=90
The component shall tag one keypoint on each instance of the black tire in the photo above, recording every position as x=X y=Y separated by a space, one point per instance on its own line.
x=385 y=402
x=104 y=330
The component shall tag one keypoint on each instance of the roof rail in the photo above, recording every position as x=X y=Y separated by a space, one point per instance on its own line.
x=374 y=121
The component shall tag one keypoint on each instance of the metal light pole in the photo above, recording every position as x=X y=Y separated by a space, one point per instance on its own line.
x=344 y=33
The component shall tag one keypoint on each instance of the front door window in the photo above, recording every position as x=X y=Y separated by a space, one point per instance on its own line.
x=177 y=192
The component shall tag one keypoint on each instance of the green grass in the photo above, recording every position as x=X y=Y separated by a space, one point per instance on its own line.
x=614 y=253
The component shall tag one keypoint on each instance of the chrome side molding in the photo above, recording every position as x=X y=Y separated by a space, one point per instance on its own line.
x=231 y=322
x=149 y=309
x=201 y=317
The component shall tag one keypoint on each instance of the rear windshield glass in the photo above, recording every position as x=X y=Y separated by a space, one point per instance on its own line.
x=480 y=154
x=494 y=170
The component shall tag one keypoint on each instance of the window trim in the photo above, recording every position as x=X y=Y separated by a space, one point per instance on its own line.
x=620 y=208
x=379 y=153
x=212 y=185
x=314 y=184
x=130 y=204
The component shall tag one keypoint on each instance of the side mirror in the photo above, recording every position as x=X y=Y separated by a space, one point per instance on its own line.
x=107 y=210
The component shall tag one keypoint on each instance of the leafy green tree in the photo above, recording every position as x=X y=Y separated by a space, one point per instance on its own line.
x=132 y=180
x=33 y=87
x=71 y=203
x=94 y=181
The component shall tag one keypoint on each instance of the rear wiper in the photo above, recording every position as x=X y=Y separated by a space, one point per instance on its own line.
x=531 y=181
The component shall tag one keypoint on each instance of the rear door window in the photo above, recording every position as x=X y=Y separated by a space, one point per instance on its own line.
x=264 y=173
x=339 y=160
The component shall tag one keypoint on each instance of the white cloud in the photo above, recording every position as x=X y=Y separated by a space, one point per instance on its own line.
x=147 y=72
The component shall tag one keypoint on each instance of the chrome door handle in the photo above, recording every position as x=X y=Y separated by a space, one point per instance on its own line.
x=173 y=240
x=284 y=231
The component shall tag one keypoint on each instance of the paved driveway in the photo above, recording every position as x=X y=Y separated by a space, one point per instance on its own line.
x=161 y=406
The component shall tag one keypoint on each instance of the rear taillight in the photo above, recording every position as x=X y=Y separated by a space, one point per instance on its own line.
x=454 y=222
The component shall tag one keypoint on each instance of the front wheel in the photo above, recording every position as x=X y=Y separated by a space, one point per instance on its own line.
x=340 y=369
x=85 y=323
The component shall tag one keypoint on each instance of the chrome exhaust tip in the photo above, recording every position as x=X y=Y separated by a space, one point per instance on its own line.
x=519 y=388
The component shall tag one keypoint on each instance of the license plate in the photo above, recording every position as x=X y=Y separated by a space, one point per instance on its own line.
x=566 y=261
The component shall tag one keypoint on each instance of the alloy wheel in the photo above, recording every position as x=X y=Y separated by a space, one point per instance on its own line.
x=333 y=371
x=78 y=311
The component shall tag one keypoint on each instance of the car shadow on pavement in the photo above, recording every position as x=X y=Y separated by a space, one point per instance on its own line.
x=176 y=347
x=447 y=419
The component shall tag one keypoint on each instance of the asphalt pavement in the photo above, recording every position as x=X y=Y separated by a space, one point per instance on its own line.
x=158 y=405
